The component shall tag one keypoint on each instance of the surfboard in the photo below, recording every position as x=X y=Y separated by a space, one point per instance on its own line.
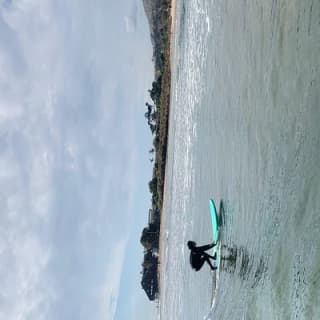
x=216 y=249
x=215 y=221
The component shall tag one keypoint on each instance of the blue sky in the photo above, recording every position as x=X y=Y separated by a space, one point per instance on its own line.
x=73 y=158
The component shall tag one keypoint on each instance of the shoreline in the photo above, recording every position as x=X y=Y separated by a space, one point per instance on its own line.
x=172 y=27
x=163 y=213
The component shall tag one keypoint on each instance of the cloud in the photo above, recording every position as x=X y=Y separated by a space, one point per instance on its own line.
x=129 y=24
x=26 y=157
x=24 y=256
x=131 y=19
x=68 y=164
x=110 y=290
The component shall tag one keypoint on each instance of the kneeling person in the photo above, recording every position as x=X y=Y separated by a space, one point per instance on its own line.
x=198 y=256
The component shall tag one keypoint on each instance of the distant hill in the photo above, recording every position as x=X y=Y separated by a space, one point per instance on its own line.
x=157 y=12
x=149 y=7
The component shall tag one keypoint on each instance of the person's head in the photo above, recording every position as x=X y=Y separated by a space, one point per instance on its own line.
x=191 y=244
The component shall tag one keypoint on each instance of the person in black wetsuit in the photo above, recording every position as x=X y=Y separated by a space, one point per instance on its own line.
x=198 y=256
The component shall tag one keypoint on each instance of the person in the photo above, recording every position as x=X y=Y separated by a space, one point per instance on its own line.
x=198 y=255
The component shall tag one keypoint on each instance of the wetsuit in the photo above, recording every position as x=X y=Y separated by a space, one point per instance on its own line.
x=198 y=256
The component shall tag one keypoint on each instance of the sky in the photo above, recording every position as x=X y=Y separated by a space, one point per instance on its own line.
x=74 y=161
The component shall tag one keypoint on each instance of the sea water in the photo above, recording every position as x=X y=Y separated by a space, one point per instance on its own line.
x=244 y=130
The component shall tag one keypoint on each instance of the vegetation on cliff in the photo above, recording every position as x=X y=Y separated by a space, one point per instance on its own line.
x=157 y=116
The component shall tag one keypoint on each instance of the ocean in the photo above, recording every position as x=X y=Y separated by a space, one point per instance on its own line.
x=244 y=130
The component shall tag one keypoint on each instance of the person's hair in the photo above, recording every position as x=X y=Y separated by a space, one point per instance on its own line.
x=191 y=244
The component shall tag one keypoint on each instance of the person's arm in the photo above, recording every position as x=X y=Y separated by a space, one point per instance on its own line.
x=205 y=247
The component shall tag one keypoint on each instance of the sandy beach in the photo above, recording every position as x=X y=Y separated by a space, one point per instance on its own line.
x=163 y=213
x=172 y=28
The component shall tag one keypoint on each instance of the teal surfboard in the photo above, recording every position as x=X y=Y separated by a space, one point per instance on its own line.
x=214 y=221
x=215 y=231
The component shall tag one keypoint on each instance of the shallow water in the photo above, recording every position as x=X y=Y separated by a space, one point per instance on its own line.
x=244 y=129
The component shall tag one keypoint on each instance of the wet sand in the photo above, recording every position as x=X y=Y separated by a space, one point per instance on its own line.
x=163 y=213
x=172 y=29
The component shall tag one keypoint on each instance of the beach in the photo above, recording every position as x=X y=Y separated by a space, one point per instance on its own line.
x=163 y=214
x=243 y=129
x=172 y=27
